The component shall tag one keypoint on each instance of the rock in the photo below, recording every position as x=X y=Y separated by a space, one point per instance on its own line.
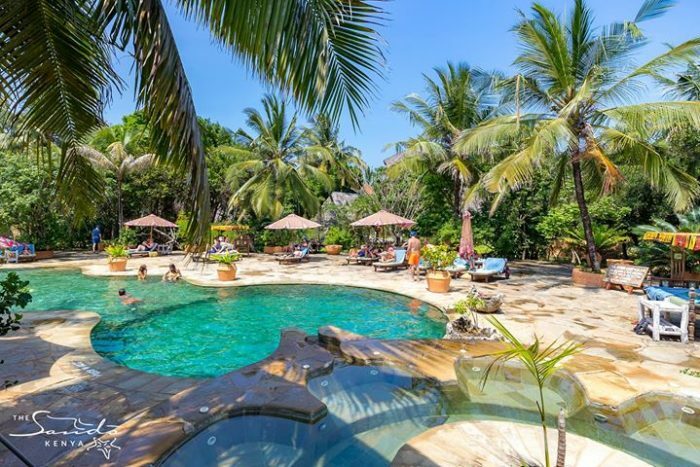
x=464 y=329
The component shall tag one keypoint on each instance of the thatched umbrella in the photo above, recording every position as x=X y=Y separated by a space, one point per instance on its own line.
x=382 y=218
x=154 y=222
x=293 y=222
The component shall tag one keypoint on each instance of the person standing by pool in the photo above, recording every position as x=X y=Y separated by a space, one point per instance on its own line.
x=413 y=252
x=96 y=238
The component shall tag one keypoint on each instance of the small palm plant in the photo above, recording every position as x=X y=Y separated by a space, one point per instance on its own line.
x=541 y=362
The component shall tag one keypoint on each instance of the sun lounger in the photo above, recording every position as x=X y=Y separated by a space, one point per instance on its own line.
x=399 y=262
x=165 y=249
x=146 y=252
x=366 y=260
x=459 y=267
x=289 y=259
x=21 y=252
x=491 y=267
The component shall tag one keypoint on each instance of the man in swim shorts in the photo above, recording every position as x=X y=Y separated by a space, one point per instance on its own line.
x=413 y=252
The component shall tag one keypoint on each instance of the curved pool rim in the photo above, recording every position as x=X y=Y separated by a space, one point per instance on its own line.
x=623 y=437
x=265 y=353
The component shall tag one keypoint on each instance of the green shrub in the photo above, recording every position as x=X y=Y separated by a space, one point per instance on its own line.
x=449 y=233
x=440 y=257
x=13 y=294
x=127 y=237
x=339 y=236
x=483 y=250
x=228 y=257
x=116 y=251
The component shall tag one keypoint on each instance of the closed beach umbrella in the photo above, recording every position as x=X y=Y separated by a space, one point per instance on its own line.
x=381 y=218
x=466 y=242
x=293 y=222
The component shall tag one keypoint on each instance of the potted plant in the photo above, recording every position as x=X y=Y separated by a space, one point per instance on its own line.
x=541 y=362
x=440 y=257
x=606 y=239
x=226 y=271
x=117 y=258
x=336 y=239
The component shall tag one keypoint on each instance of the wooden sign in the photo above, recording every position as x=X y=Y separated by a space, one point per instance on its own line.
x=627 y=276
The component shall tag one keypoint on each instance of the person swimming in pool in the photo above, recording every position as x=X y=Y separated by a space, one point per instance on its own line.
x=172 y=274
x=143 y=273
x=128 y=299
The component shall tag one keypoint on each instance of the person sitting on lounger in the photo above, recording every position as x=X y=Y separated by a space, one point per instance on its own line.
x=172 y=274
x=146 y=245
x=128 y=299
x=143 y=273
x=364 y=252
x=217 y=247
x=387 y=256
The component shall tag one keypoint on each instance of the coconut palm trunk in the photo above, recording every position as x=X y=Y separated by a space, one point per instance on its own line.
x=120 y=207
x=580 y=195
x=561 y=439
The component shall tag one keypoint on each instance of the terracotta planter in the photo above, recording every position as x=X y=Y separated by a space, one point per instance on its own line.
x=333 y=249
x=278 y=249
x=438 y=281
x=268 y=250
x=117 y=264
x=44 y=254
x=587 y=279
x=226 y=272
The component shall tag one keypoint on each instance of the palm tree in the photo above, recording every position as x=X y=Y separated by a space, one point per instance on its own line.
x=687 y=84
x=324 y=150
x=541 y=362
x=457 y=99
x=120 y=162
x=275 y=163
x=577 y=86
x=57 y=72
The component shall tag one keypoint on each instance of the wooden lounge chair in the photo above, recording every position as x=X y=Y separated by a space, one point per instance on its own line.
x=399 y=262
x=146 y=252
x=365 y=260
x=491 y=267
x=289 y=259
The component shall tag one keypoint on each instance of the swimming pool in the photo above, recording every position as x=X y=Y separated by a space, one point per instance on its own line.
x=374 y=410
x=190 y=331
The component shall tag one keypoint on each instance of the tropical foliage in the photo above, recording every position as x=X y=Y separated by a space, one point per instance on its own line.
x=572 y=109
x=536 y=157
x=540 y=362
x=458 y=98
x=275 y=167
x=58 y=75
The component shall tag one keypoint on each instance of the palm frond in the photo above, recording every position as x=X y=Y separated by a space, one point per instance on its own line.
x=325 y=52
x=56 y=73
x=166 y=97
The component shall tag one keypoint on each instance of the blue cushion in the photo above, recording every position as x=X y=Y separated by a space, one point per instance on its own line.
x=494 y=264
x=662 y=293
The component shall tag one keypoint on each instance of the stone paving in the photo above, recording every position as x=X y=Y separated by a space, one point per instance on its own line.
x=59 y=371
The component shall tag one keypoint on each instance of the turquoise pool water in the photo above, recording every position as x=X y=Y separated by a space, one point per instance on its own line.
x=374 y=410
x=185 y=330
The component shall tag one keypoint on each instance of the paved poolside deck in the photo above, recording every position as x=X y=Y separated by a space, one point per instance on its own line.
x=58 y=370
